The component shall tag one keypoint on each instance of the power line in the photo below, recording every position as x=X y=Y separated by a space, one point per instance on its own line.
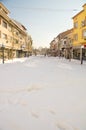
x=45 y=9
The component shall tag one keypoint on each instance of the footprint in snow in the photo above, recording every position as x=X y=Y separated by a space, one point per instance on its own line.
x=35 y=114
x=65 y=126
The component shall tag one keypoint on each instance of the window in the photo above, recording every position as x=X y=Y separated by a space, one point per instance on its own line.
x=15 y=41
x=9 y=27
x=4 y=24
x=75 y=37
x=83 y=23
x=17 y=33
x=64 y=42
x=84 y=34
x=4 y=36
x=76 y=25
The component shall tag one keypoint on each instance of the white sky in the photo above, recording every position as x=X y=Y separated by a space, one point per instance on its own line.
x=44 y=19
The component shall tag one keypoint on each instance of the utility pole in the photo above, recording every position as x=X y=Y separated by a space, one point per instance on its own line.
x=81 y=54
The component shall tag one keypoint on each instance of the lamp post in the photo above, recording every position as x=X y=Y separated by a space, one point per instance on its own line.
x=2 y=47
x=81 y=54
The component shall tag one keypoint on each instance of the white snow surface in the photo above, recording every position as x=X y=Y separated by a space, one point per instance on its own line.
x=42 y=93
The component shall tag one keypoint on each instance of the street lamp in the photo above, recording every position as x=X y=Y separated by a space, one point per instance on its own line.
x=2 y=47
x=81 y=54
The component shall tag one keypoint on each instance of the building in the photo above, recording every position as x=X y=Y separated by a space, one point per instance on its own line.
x=54 y=47
x=62 y=44
x=79 y=33
x=65 y=43
x=14 y=39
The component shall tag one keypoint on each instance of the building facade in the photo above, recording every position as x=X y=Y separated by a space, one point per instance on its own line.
x=62 y=44
x=14 y=39
x=79 y=33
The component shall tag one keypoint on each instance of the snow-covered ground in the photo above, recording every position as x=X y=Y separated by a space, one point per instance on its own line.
x=42 y=93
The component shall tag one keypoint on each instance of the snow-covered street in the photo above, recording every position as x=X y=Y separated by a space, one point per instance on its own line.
x=43 y=93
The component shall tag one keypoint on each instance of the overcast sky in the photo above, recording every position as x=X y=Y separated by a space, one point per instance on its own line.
x=44 y=19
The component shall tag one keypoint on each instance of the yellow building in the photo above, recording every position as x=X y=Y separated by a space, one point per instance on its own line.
x=79 y=32
x=14 y=39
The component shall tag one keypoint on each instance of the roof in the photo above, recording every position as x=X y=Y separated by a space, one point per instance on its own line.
x=77 y=14
x=80 y=11
x=63 y=34
x=22 y=27
x=84 y=5
x=4 y=8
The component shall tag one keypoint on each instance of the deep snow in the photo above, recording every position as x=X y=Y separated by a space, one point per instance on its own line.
x=42 y=93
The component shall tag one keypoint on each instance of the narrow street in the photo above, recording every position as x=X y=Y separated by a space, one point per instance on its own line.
x=43 y=93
